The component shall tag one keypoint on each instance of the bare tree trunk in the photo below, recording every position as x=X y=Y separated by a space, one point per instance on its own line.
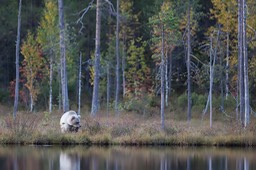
x=240 y=60
x=95 y=100
x=31 y=102
x=50 y=82
x=117 y=59
x=16 y=97
x=79 y=84
x=123 y=67
x=108 y=87
x=211 y=82
x=170 y=74
x=162 y=79
x=64 y=85
x=227 y=68
x=60 y=87
x=166 y=81
x=245 y=65
x=188 y=66
x=212 y=72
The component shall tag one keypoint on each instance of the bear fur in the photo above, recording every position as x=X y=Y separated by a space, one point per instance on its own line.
x=70 y=122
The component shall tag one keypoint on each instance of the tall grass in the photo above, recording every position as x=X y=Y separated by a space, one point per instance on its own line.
x=125 y=129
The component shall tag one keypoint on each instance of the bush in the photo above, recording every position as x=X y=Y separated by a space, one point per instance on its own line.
x=92 y=126
x=198 y=101
x=230 y=102
x=121 y=131
x=22 y=125
x=143 y=105
x=182 y=101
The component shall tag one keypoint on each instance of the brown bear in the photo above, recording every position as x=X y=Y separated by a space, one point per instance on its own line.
x=70 y=122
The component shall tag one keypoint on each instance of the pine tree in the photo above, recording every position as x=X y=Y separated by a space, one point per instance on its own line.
x=163 y=38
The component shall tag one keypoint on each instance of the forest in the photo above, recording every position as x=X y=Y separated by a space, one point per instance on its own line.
x=189 y=58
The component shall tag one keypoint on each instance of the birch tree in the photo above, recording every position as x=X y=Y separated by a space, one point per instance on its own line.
x=243 y=65
x=117 y=58
x=64 y=85
x=16 y=97
x=213 y=56
x=95 y=100
x=33 y=67
x=188 y=64
x=79 y=83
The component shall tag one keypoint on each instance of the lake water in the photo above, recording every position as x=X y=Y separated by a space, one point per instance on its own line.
x=125 y=158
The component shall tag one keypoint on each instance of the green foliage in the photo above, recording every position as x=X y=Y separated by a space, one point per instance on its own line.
x=230 y=103
x=198 y=101
x=182 y=101
x=138 y=72
x=140 y=105
x=48 y=32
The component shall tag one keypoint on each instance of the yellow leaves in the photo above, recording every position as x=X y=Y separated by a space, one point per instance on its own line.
x=33 y=63
x=48 y=28
x=225 y=11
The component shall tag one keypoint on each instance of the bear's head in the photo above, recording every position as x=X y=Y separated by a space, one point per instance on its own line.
x=75 y=121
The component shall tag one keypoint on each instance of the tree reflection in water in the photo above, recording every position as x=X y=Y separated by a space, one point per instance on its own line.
x=122 y=158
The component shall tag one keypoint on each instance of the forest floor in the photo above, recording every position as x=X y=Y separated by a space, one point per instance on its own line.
x=125 y=129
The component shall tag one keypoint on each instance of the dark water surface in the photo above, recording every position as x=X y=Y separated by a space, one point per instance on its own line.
x=125 y=158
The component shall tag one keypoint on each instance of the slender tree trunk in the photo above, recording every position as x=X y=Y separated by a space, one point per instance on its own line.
x=166 y=81
x=60 y=87
x=170 y=73
x=188 y=67
x=16 y=97
x=117 y=59
x=222 y=83
x=95 y=100
x=64 y=85
x=245 y=65
x=162 y=80
x=50 y=82
x=79 y=84
x=227 y=68
x=240 y=60
x=31 y=102
x=108 y=87
x=211 y=82
x=123 y=67
x=212 y=62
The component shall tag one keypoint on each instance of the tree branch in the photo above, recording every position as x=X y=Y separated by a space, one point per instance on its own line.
x=82 y=13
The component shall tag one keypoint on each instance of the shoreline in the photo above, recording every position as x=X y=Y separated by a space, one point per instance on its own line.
x=75 y=139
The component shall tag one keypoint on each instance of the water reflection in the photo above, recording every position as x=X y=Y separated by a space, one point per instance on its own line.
x=69 y=161
x=122 y=158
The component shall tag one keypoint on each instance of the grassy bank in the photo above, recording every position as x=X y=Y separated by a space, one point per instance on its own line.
x=126 y=129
